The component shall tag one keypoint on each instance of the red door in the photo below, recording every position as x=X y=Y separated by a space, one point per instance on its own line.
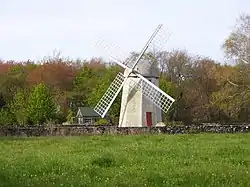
x=149 y=118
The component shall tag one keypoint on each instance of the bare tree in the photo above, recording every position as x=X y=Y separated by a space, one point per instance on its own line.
x=237 y=45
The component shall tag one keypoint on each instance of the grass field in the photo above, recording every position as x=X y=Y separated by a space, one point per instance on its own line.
x=159 y=160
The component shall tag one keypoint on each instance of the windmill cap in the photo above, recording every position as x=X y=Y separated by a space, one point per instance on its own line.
x=146 y=68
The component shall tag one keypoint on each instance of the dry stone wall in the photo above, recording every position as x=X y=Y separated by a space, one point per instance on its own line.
x=75 y=130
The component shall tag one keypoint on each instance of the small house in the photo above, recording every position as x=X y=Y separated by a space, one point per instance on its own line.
x=86 y=115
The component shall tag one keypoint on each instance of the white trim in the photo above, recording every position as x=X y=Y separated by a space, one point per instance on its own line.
x=79 y=113
x=80 y=120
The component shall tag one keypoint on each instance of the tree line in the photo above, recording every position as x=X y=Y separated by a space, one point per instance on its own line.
x=205 y=90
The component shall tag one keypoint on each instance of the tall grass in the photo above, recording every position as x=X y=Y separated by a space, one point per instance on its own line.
x=143 y=160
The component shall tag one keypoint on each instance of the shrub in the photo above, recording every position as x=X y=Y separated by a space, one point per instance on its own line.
x=102 y=122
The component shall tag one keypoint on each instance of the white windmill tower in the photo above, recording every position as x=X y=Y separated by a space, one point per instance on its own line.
x=142 y=99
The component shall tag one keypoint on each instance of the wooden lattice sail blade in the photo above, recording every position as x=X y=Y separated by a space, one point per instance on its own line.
x=109 y=96
x=153 y=93
x=155 y=43
x=158 y=40
x=113 y=51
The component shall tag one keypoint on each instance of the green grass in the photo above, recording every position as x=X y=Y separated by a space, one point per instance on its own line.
x=143 y=160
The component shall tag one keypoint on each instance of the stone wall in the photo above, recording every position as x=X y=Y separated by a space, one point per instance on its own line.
x=76 y=130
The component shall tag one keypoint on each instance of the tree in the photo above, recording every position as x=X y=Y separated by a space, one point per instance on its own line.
x=84 y=83
x=6 y=117
x=12 y=81
x=237 y=45
x=70 y=117
x=58 y=75
x=171 y=89
x=234 y=97
x=175 y=65
x=2 y=101
x=40 y=105
x=199 y=88
x=19 y=108
x=101 y=87
x=175 y=69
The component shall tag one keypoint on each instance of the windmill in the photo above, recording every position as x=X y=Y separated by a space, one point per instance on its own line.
x=142 y=99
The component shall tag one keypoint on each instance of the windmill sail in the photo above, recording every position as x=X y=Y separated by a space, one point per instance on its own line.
x=110 y=95
x=155 y=43
x=153 y=93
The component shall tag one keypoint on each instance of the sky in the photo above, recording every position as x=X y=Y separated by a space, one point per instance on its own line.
x=34 y=29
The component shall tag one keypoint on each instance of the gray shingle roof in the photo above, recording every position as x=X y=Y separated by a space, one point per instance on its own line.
x=88 y=112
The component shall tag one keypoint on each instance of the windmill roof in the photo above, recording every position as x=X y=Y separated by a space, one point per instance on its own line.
x=146 y=68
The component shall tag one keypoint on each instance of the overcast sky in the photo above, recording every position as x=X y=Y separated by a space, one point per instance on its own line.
x=32 y=29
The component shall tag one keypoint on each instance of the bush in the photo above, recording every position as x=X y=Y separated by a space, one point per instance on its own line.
x=70 y=117
x=6 y=117
x=102 y=122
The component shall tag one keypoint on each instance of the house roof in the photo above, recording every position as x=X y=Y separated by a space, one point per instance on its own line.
x=88 y=112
